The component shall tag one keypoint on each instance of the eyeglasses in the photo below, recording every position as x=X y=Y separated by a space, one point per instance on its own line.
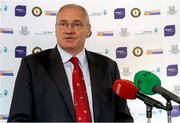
x=74 y=25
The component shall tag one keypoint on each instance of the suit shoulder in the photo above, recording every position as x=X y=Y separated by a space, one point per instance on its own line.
x=42 y=54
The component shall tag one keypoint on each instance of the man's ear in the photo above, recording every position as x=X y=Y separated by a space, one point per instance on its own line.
x=89 y=34
x=89 y=31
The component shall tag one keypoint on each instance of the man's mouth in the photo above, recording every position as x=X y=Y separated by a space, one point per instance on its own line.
x=69 y=38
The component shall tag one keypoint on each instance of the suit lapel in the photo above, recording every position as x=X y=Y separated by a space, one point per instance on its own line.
x=57 y=70
x=96 y=75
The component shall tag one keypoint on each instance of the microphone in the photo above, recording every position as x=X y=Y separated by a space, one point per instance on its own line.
x=127 y=90
x=150 y=84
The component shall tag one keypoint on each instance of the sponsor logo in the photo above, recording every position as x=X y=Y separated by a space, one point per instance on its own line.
x=3 y=116
x=121 y=52
x=4 y=50
x=169 y=30
x=4 y=93
x=135 y=12
x=156 y=70
x=119 y=13
x=124 y=32
x=36 y=50
x=105 y=33
x=126 y=72
x=24 y=30
x=154 y=51
x=174 y=49
x=154 y=112
x=20 y=51
x=6 y=30
x=152 y=12
x=175 y=112
x=6 y=73
x=3 y=8
x=177 y=89
x=105 y=52
x=172 y=70
x=171 y=10
x=50 y=13
x=148 y=32
x=20 y=10
x=36 y=11
x=44 y=33
x=138 y=51
x=101 y=13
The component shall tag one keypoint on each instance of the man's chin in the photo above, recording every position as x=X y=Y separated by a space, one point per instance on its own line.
x=69 y=48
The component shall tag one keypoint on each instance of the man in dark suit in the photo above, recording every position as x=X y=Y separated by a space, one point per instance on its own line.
x=44 y=90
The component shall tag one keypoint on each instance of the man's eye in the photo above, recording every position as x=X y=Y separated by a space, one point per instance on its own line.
x=63 y=24
x=77 y=24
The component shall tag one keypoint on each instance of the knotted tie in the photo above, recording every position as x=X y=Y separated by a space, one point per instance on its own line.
x=81 y=104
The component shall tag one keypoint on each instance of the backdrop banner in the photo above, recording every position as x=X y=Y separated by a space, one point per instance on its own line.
x=137 y=34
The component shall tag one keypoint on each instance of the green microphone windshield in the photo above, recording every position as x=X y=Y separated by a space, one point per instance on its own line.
x=145 y=81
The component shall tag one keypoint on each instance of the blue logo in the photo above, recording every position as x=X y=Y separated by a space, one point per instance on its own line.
x=3 y=8
x=3 y=116
x=169 y=30
x=6 y=30
x=104 y=12
x=154 y=51
x=172 y=70
x=105 y=33
x=6 y=73
x=119 y=13
x=152 y=12
x=4 y=50
x=121 y=52
x=20 y=10
x=20 y=51
x=4 y=93
x=51 y=13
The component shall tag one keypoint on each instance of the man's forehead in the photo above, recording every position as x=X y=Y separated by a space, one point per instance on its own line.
x=74 y=8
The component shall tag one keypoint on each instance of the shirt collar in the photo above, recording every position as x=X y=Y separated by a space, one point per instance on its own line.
x=66 y=56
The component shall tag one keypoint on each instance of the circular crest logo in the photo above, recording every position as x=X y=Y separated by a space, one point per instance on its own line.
x=36 y=11
x=137 y=51
x=36 y=50
x=135 y=12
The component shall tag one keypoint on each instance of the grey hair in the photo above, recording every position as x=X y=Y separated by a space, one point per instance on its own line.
x=74 y=6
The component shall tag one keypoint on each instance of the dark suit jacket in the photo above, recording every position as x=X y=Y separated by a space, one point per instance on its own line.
x=42 y=92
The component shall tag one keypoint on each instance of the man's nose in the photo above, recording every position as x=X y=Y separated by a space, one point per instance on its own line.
x=69 y=30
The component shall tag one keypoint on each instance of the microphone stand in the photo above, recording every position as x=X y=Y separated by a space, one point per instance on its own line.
x=148 y=113
x=169 y=108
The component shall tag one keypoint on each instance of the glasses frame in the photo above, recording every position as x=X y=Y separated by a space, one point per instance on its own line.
x=76 y=25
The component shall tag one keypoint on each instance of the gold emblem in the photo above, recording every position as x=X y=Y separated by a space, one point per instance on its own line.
x=36 y=11
x=135 y=12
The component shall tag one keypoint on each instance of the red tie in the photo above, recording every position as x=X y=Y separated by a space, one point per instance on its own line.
x=81 y=103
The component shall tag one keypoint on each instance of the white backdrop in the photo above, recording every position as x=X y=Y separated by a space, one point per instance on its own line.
x=149 y=41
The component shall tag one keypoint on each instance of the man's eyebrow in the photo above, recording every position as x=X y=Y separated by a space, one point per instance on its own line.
x=63 y=21
x=77 y=21
x=74 y=21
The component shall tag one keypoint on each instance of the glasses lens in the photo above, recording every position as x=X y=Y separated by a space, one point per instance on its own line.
x=74 y=25
x=77 y=25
